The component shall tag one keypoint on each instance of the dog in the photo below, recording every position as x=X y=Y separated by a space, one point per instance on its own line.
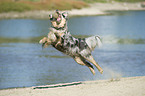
x=78 y=48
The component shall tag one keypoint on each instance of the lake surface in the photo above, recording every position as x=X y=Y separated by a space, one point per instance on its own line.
x=23 y=63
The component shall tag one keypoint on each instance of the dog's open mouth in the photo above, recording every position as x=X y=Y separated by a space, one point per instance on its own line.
x=59 y=18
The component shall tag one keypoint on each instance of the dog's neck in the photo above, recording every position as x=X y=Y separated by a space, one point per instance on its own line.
x=58 y=30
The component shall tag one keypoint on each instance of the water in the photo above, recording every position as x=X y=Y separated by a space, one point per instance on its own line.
x=23 y=63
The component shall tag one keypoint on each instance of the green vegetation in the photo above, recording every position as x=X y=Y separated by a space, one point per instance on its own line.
x=26 y=5
x=93 y=1
x=12 y=6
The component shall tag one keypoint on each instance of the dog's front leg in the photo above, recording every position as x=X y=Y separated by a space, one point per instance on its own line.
x=59 y=38
x=45 y=42
x=51 y=37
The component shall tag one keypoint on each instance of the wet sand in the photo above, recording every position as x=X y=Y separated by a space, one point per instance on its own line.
x=94 y=9
x=130 y=86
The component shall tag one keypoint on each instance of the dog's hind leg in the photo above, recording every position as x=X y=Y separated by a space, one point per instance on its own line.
x=91 y=59
x=82 y=61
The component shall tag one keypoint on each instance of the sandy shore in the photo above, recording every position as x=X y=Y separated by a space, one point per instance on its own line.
x=131 y=86
x=101 y=8
x=94 y=9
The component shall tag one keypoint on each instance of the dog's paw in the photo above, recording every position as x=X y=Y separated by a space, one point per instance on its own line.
x=43 y=40
x=101 y=71
x=40 y=41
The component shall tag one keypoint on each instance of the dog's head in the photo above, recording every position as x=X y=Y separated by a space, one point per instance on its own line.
x=59 y=19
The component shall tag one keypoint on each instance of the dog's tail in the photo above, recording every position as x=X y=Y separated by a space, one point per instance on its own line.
x=99 y=43
x=93 y=41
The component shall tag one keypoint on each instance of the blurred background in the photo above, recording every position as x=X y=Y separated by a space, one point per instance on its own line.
x=24 y=63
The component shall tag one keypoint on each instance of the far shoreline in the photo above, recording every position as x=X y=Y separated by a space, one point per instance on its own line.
x=95 y=9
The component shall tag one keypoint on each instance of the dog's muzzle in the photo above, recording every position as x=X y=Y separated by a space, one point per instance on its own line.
x=55 y=17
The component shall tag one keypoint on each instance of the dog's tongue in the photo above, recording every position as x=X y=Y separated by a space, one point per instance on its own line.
x=58 y=19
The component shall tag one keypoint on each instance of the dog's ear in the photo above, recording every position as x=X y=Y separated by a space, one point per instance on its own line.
x=57 y=11
x=50 y=17
x=65 y=15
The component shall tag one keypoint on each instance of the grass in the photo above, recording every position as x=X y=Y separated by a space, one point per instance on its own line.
x=93 y=1
x=26 y=5
x=12 y=6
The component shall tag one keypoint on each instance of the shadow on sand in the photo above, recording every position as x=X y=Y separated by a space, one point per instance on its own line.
x=57 y=85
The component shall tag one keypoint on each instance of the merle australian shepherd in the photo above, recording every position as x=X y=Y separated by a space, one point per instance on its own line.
x=78 y=48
